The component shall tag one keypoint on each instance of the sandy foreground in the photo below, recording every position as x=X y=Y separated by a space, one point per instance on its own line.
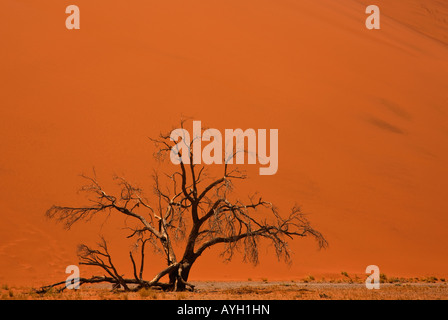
x=362 y=116
x=248 y=290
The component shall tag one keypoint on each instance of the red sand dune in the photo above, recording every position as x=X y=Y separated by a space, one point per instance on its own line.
x=362 y=119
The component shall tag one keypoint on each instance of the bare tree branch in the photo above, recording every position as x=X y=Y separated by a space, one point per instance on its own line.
x=183 y=199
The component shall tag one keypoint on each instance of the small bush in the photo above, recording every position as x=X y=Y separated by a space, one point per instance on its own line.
x=393 y=280
x=308 y=279
x=431 y=279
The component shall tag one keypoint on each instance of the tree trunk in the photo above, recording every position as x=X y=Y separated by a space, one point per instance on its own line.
x=179 y=276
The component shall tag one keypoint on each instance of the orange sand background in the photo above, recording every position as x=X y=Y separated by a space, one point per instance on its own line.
x=362 y=119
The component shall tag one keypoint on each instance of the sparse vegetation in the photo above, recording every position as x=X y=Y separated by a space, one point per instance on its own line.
x=393 y=280
x=309 y=279
x=406 y=288
x=347 y=277
x=148 y=293
x=430 y=279
x=181 y=296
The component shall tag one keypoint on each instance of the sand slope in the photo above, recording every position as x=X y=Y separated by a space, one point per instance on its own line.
x=362 y=119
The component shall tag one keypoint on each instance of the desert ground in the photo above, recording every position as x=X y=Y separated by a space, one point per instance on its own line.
x=429 y=288
x=362 y=119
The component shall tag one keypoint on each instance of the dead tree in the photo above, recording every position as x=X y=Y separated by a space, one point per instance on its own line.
x=191 y=209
